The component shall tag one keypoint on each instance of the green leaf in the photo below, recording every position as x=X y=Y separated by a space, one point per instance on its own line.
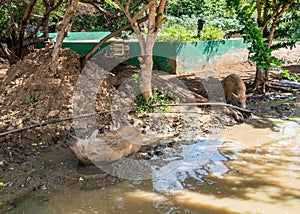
x=28 y=101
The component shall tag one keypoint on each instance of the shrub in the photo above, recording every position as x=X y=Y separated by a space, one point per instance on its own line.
x=185 y=30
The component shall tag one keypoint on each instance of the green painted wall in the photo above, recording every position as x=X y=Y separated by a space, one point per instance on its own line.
x=81 y=42
x=192 y=56
x=172 y=57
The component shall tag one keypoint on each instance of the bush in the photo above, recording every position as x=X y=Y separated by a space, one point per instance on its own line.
x=159 y=97
x=4 y=20
x=185 y=30
x=289 y=27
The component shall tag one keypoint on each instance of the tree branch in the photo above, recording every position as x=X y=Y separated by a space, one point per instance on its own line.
x=45 y=18
x=96 y=47
x=161 y=7
x=276 y=20
x=127 y=7
x=23 y=27
x=266 y=22
x=134 y=26
x=258 y=8
x=160 y=19
x=61 y=32
x=277 y=11
x=140 y=12
x=152 y=17
x=137 y=5
x=100 y=9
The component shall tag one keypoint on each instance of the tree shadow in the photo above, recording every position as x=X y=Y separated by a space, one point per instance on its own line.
x=254 y=176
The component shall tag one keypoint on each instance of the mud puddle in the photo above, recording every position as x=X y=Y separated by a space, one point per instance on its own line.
x=253 y=168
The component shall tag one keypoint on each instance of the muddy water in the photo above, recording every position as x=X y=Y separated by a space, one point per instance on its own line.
x=254 y=168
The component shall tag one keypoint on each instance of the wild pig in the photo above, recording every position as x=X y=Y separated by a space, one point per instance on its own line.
x=235 y=90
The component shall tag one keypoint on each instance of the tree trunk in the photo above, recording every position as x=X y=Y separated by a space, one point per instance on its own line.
x=61 y=32
x=155 y=21
x=260 y=79
x=145 y=86
x=23 y=27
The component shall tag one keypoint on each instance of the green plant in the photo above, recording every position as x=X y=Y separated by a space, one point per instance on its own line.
x=37 y=96
x=199 y=8
x=159 y=97
x=28 y=101
x=4 y=20
x=286 y=74
x=289 y=27
x=33 y=98
x=259 y=21
x=211 y=32
x=185 y=30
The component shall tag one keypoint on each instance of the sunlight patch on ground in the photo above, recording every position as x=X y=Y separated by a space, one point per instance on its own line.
x=261 y=204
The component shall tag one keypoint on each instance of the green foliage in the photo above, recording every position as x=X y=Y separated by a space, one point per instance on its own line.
x=32 y=99
x=286 y=74
x=180 y=8
x=56 y=16
x=259 y=50
x=289 y=27
x=225 y=23
x=211 y=32
x=179 y=34
x=111 y=4
x=185 y=30
x=89 y=23
x=18 y=10
x=214 y=12
x=160 y=97
x=89 y=19
x=206 y=9
x=4 y=20
x=28 y=101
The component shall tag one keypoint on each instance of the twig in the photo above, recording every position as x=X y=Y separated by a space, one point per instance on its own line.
x=279 y=88
x=49 y=122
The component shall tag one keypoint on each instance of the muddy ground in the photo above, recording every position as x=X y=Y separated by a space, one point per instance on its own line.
x=40 y=158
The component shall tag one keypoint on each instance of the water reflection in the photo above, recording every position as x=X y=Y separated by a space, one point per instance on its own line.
x=201 y=159
x=252 y=170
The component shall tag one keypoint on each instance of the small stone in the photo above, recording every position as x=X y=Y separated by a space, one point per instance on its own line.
x=10 y=128
x=68 y=128
x=53 y=113
x=18 y=122
x=33 y=121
